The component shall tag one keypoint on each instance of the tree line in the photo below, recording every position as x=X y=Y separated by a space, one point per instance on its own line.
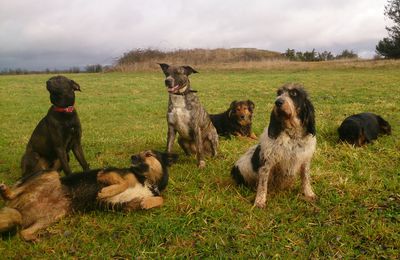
x=313 y=55
x=95 y=68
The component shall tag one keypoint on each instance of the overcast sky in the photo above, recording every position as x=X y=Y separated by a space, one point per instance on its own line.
x=39 y=34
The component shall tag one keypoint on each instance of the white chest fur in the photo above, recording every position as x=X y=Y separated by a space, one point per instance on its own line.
x=288 y=153
x=179 y=116
x=137 y=192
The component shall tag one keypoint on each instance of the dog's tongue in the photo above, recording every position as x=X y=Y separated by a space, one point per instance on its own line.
x=172 y=90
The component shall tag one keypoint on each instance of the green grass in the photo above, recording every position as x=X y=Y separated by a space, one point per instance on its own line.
x=205 y=214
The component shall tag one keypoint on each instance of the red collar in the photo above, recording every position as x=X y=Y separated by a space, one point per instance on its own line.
x=69 y=109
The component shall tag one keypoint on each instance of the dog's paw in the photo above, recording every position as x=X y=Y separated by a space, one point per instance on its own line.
x=310 y=197
x=3 y=187
x=29 y=236
x=201 y=164
x=259 y=203
x=101 y=195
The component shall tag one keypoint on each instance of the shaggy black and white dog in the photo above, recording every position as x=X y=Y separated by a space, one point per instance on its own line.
x=286 y=147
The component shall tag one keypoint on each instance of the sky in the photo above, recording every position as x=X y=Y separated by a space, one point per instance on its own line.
x=60 y=34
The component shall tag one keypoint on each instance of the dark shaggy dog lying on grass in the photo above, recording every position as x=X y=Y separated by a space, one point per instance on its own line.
x=57 y=133
x=285 y=149
x=38 y=200
x=363 y=128
x=236 y=120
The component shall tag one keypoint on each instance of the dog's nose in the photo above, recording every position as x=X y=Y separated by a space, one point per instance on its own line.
x=279 y=102
x=135 y=159
x=168 y=82
x=242 y=117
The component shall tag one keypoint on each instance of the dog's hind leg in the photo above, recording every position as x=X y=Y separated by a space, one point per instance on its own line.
x=29 y=234
x=214 y=143
x=9 y=218
x=32 y=162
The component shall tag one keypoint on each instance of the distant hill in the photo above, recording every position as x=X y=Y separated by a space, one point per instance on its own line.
x=144 y=59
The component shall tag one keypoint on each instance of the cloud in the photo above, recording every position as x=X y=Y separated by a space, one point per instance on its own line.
x=60 y=34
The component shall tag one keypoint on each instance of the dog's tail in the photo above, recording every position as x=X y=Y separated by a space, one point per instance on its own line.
x=9 y=218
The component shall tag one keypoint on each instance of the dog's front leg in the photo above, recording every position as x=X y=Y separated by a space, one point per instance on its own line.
x=306 y=182
x=170 y=137
x=199 y=147
x=262 y=187
x=78 y=152
x=62 y=155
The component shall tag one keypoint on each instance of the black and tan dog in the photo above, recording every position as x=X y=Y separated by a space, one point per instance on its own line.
x=286 y=147
x=57 y=133
x=237 y=120
x=363 y=128
x=187 y=116
x=38 y=200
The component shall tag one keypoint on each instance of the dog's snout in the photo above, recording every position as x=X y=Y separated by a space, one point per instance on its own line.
x=168 y=82
x=279 y=102
x=242 y=116
x=135 y=159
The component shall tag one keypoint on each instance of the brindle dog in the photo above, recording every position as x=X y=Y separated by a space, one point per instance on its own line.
x=237 y=120
x=57 y=133
x=41 y=199
x=187 y=116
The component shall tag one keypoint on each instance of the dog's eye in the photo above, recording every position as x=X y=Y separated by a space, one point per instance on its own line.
x=148 y=154
x=293 y=93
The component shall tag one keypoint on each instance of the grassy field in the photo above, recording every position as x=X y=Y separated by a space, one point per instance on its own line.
x=205 y=214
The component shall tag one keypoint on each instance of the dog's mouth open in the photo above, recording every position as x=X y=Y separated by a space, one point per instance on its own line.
x=176 y=89
x=173 y=89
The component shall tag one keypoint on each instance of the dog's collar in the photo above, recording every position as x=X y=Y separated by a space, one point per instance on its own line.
x=69 y=109
x=186 y=92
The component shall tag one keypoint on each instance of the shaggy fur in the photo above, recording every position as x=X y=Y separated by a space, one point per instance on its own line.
x=187 y=116
x=285 y=149
x=38 y=200
x=363 y=128
x=57 y=133
x=236 y=120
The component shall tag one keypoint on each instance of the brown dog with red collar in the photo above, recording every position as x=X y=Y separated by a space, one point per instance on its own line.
x=57 y=133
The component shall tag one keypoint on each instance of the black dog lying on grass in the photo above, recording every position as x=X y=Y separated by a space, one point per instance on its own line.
x=41 y=199
x=363 y=128
x=57 y=133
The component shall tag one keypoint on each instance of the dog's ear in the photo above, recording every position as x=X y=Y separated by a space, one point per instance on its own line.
x=169 y=158
x=307 y=116
x=251 y=105
x=164 y=68
x=232 y=107
x=275 y=126
x=75 y=86
x=384 y=126
x=50 y=87
x=189 y=70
